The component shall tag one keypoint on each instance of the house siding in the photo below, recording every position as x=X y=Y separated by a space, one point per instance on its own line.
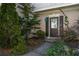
x=72 y=13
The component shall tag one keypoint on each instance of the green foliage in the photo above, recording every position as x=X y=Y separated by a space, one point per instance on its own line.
x=27 y=9
x=9 y=25
x=10 y=29
x=31 y=23
x=30 y=20
x=66 y=20
x=60 y=49
x=40 y=34
x=20 y=48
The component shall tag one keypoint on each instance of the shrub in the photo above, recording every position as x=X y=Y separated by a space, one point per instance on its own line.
x=20 y=48
x=9 y=25
x=70 y=36
x=10 y=29
x=60 y=49
x=40 y=34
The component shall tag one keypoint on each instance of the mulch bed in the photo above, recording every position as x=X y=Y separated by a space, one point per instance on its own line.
x=5 y=52
x=73 y=44
x=34 y=43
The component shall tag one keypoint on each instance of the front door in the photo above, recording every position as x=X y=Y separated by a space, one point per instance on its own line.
x=54 y=27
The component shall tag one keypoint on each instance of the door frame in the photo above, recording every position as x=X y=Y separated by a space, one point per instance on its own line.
x=51 y=16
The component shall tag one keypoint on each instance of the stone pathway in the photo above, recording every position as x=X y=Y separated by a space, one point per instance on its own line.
x=40 y=51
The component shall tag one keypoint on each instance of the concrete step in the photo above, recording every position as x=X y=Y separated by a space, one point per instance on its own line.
x=51 y=39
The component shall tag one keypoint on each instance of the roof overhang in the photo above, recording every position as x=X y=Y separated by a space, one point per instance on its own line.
x=55 y=7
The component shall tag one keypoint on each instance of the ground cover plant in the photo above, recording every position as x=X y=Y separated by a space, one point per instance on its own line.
x=59 y=48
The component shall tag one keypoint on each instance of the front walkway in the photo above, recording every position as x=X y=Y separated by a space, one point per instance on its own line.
x=40 y=51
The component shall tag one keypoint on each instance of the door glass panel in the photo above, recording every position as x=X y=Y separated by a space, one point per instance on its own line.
x=53 y=22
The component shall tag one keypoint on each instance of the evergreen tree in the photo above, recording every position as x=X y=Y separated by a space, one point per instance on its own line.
x=30 y=20
x=10 y=32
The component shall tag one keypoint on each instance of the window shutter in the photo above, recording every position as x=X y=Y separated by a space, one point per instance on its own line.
x=61 y=26
x=47 y=25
